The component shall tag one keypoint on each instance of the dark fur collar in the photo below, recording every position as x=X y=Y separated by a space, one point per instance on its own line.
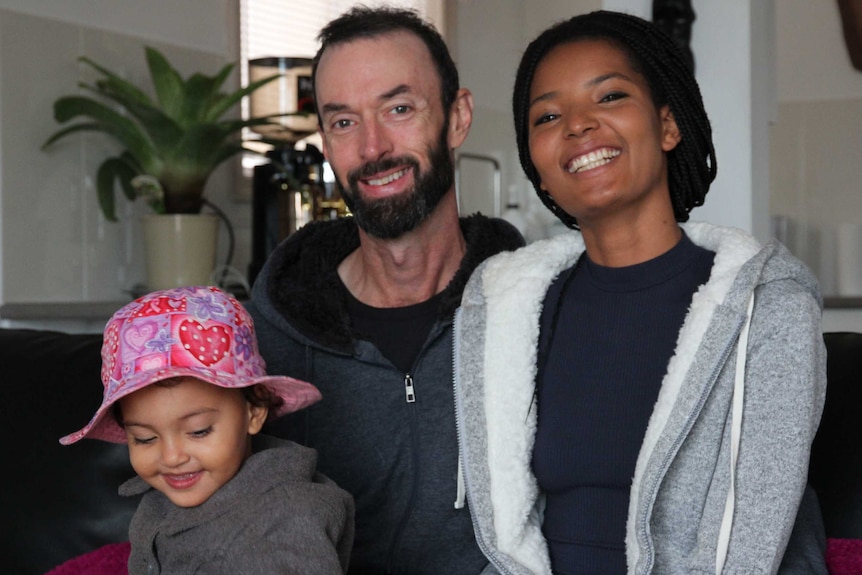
x=304 y=286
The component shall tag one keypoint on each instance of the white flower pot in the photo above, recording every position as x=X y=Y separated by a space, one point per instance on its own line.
x=180 y=249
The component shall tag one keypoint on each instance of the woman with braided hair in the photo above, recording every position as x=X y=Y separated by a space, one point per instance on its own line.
x=638 y=395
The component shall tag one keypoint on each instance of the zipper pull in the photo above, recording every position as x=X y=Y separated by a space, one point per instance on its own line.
x=408 y=389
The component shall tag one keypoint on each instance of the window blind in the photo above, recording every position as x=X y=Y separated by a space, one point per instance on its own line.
x=290 y=27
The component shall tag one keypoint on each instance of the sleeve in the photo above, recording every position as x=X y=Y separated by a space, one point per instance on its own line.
x=785 y=389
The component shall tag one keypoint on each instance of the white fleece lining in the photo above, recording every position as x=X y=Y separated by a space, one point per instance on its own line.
x=733 y=249
x=514 y=288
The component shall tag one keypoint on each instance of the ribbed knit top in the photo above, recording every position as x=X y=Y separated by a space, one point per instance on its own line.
x=601 y=364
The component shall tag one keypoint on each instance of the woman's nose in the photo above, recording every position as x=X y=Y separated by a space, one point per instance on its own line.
x=580 y=122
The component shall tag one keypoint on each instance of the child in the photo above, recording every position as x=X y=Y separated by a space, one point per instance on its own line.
x=187 y=390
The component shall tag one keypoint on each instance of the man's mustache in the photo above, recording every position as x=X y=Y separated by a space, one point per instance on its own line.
x=368 y=169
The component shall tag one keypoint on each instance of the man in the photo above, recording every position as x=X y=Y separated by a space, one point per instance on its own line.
x=363 y=306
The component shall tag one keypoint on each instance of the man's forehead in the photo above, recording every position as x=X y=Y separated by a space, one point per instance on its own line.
x=395 y=61
x=389 y=47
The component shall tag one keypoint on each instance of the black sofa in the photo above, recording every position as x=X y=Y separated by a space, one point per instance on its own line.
x=56 y=502
x=60 y=502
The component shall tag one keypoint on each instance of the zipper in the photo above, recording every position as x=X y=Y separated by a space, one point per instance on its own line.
x=409 y=391
x=459 y=414
x=410 y=396
x=677 y=443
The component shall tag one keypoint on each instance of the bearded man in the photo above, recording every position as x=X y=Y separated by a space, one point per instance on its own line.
x=363 y=306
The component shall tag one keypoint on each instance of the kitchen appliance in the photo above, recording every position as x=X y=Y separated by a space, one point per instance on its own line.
x=289 y=189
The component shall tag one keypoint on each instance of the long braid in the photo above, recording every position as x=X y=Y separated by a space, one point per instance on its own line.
x=691 y=164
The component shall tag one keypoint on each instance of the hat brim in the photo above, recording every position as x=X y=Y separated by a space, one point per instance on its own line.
x=295 y=395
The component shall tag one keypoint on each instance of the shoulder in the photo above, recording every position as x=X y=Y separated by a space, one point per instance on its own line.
x=529 y=268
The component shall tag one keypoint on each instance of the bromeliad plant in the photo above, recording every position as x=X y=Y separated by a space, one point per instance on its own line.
x=172 y=144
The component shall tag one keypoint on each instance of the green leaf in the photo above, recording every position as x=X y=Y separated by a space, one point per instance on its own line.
x=126 y=176
x=120 y=127
x=166 y=81
x=200 y=94
x=226 y=102
x=111 y=169
x=178 y=137
x=83 y=127
x=117 y=84
x=162 y=130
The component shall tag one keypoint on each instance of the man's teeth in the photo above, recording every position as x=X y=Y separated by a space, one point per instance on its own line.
x=386 y=179
x=592 y=160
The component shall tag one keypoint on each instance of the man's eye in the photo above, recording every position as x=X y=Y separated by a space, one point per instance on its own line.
x=400 y=109
x=341 y=124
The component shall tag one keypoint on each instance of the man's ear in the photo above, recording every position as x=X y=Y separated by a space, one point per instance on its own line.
x=671 y=135
x=460 y=118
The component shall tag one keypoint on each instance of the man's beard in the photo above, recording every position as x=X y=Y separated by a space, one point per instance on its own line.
x=389 y=218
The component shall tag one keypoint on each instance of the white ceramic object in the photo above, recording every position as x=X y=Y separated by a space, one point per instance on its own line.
x=180 y=249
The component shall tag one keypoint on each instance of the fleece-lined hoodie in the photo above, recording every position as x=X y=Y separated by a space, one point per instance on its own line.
x=397 y=457
x=679 y=490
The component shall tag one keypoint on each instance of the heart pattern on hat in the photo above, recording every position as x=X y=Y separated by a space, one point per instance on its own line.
x=208 y=345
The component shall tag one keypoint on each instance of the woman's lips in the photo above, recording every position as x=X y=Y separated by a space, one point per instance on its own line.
x=591 y=160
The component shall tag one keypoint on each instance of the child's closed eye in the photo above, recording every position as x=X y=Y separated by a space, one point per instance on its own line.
x=202 y=432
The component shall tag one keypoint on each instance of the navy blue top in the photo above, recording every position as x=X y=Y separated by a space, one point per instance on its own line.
x=600 y=370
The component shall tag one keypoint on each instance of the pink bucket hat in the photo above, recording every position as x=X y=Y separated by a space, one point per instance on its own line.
x=200 y=332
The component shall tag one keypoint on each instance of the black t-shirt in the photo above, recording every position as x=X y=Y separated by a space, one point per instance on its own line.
x=398 y=332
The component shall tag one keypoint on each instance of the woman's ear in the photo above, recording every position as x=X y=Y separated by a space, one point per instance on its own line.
x=671 y=135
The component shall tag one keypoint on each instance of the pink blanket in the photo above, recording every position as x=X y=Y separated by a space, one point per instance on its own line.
x=111 y=559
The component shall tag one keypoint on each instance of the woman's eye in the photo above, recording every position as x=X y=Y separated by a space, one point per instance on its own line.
x=544 y=119
x=612 y=96
x=144 y=440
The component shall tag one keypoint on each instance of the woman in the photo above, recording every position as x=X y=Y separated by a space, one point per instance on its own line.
x=638 y=395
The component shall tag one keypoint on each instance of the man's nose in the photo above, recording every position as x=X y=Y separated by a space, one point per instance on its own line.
x=376 y=141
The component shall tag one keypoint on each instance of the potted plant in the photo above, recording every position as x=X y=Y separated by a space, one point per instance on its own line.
x=171 y=143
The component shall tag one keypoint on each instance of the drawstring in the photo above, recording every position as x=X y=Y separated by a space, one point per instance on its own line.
x=461 y=492
x=735 y=435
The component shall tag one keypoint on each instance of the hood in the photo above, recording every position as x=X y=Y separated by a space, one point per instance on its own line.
x=300 y=282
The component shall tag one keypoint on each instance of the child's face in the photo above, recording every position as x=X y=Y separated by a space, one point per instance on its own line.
x=189 y=439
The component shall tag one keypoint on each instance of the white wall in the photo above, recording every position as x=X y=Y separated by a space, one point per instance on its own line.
x=54 y=245
x=198 y=24
x=816 y=144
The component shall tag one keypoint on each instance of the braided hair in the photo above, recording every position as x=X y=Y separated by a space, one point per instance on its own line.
x=653 y=54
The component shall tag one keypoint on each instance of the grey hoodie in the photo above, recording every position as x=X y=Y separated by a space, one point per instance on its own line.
x=680 y=487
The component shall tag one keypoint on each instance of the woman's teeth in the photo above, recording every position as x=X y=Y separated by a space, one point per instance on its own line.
x=386 y=179
x=592 y=160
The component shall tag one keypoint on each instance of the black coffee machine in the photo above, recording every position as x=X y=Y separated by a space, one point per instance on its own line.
x=289 y=189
